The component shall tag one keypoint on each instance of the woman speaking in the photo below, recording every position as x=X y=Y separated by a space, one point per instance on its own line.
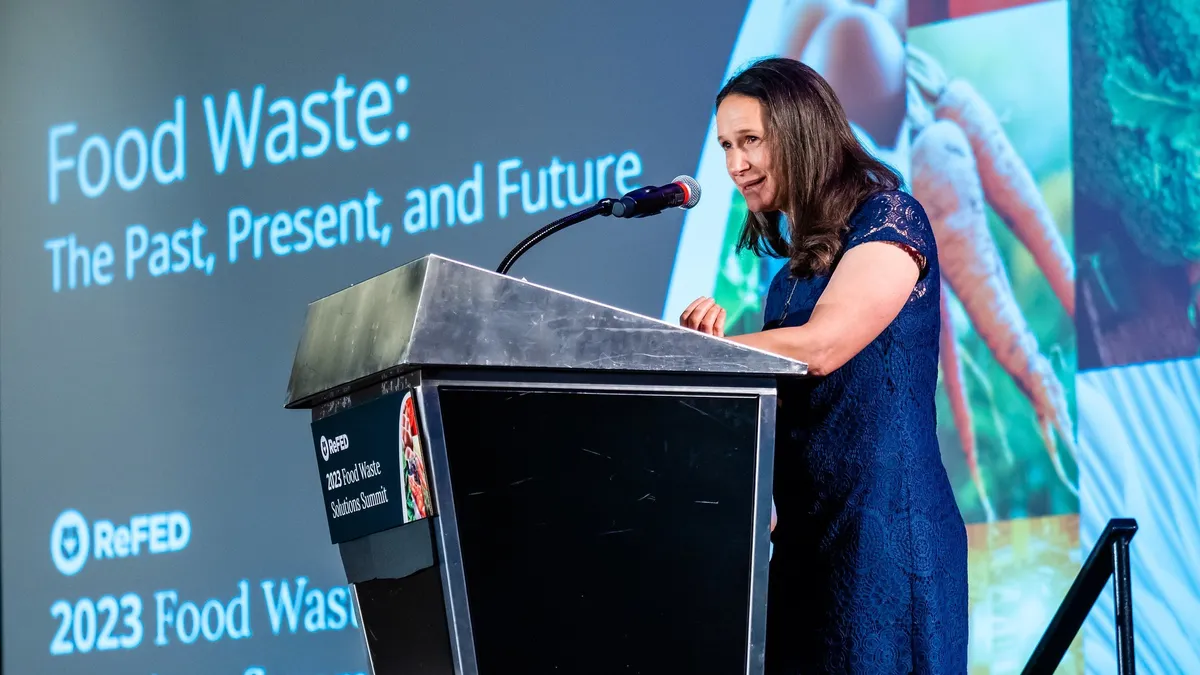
x=869 y=572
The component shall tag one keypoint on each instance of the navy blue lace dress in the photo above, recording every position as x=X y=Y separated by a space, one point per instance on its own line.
x=869 y=573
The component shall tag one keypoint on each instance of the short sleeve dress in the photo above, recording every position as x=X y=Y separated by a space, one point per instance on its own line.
x=869 y=572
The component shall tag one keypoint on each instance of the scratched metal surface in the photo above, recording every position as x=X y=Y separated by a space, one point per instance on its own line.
x=440 y=312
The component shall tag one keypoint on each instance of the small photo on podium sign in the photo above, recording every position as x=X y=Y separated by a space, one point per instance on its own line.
x=372 y=466
x=418 y=503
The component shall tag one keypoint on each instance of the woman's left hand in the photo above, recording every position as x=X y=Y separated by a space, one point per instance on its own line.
x=704 y=315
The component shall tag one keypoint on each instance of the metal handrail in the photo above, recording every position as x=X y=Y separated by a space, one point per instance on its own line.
x=1109 y=558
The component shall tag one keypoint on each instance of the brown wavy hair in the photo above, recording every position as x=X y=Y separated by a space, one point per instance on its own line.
x=823 y=170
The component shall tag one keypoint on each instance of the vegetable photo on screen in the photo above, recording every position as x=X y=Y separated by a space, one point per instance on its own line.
x=963 y=165
x=1136 y=109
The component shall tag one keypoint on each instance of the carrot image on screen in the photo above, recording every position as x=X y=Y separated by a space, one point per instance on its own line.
x=963 y=163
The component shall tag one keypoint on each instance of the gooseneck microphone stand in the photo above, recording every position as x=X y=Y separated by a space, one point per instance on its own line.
x=604 y=207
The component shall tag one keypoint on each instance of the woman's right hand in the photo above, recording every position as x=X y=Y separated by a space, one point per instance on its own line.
x=704 y=315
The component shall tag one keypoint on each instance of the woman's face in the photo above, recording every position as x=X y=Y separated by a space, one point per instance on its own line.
x=740 y=131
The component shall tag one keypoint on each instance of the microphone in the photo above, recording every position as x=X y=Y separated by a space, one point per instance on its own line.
x=683 y=192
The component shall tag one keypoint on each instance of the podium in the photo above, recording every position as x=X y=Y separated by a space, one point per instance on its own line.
x=524 y=481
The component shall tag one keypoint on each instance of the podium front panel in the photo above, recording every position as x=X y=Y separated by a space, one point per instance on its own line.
x=623 y=514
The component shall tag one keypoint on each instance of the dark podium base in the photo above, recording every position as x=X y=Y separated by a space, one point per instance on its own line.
x=604 y=532
x=589 y=527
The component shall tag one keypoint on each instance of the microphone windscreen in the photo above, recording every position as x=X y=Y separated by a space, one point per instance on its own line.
x=693 y=191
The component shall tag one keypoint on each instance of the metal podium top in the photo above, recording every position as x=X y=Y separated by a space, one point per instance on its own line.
x=440 y=312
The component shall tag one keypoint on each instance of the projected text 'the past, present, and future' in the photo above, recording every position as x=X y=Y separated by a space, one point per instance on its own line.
x=253 y=132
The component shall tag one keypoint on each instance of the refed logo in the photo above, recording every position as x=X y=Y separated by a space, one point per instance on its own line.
x=71 y=540
x=332 y=447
